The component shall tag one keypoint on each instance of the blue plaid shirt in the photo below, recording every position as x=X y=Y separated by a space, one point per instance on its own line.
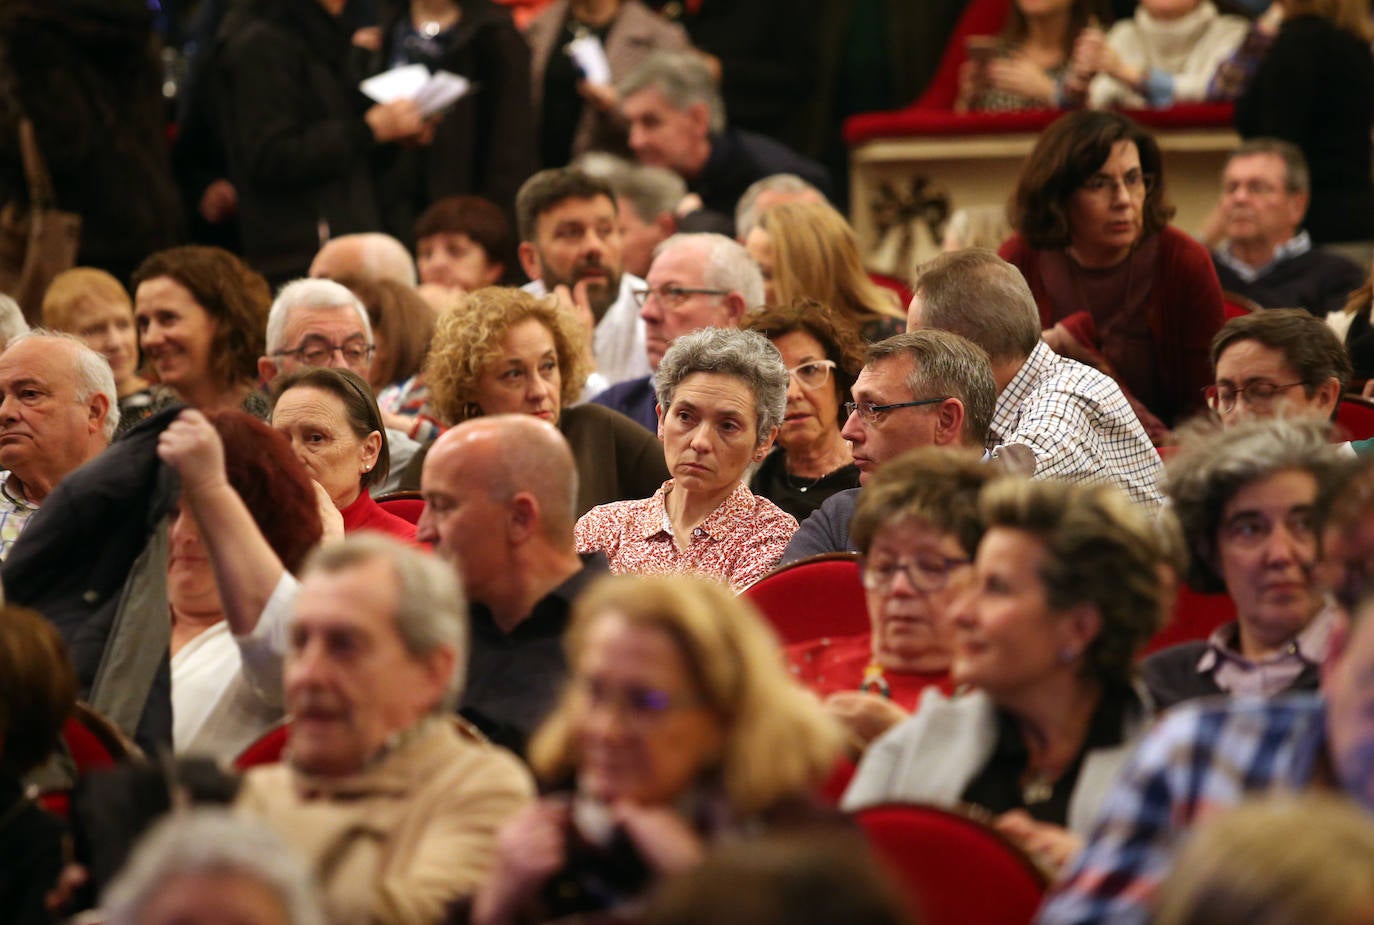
x=1202 y=758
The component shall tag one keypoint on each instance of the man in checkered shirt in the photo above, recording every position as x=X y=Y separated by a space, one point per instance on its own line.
x=1073 y=418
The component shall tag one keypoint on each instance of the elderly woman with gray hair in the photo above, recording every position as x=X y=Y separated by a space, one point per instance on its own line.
x=721 y=396
x=1247 y=498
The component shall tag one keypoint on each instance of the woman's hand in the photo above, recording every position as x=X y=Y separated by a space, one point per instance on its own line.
x=973 y=79
x=530 y=848
x=192 y=447
x=1086 y=59
x=1051 y=845
x=865 y=715
x=1021 y=76
x=331 y=520
x=602 y=96
x=662 y=836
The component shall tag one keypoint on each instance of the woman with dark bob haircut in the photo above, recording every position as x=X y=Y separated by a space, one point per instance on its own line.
x=1120 y=287
x=202 y=325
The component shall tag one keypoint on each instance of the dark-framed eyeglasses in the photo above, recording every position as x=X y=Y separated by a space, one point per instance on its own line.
x=924 y=573
x=870 y=413
x=317 y=351
x=1260 y=395
x=812 y=375
x=671 y=296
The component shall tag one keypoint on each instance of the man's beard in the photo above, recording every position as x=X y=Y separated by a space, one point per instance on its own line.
x=601 y=295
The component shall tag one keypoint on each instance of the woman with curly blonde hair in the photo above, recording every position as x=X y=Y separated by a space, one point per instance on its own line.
x=504 y=351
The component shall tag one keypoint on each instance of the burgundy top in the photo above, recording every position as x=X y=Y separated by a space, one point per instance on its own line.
x=366 y=514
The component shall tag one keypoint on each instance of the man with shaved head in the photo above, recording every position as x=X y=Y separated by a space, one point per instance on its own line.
x=500 y=496
x=371 y=256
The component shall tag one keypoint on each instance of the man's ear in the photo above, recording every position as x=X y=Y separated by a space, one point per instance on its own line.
x=267 y=370
x=522 y=516
x=438 y=672
x=666 y=223
x=735 y=308
x=99 y=409
x=1329 y=394
x=529 y=260
x=949 y=423
x=700 y=114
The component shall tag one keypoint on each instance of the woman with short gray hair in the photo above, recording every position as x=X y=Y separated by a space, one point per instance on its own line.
x=721 y=397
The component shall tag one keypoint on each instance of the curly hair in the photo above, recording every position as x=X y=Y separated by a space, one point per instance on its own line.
x=230 y=292
x=1071 y=150
x=469 y=336
x=837 y=336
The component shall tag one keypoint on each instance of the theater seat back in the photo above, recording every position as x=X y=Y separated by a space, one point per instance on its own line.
x=812 y=598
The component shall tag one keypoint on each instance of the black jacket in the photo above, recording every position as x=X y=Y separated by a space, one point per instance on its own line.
x=1171 y=676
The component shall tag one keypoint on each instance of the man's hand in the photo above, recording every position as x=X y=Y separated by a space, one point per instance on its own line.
x=219 y=202
x=602 y=96
x=399 y=120
x=192 y=447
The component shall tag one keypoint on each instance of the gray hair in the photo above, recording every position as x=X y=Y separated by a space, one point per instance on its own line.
x=650 y=191
x=946 y=364
x=1213 y=464
x=1297 y=178
x=211 y=841
x=92 y=371
x=430 y=612
x=979 y=296
x=683 y=79
x=747 y=217
x=746 y=355
x=310 y=293
x=726 y=264
x=12 y=322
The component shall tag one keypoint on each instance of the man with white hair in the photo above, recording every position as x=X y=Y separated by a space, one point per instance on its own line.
x=58 y=409
x=648 y=198
x=771 y=191
x=372 y=256
x=696 y=281
x=318 y=322
x=392 y=802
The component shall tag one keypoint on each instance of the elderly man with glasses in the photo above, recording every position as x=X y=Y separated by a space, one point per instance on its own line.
x=318 y=322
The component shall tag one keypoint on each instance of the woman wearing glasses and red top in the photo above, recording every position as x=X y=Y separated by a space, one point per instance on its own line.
x=823 y=355
x=1117 y=286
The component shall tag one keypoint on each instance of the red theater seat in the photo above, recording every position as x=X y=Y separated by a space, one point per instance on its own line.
x=813 y=597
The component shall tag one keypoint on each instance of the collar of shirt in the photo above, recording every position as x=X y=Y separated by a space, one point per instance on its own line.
x=1295 y=246
x=737 y=508
x=1307 y=648
x=1008 y=408
x=15 y=499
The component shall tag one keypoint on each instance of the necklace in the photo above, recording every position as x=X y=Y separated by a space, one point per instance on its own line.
x=1038 y=787
x=874 y=683
x=803 y=484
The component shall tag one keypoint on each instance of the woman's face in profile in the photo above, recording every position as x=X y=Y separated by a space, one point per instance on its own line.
x=316 y=423
x=642 y=731
x=1106 y=213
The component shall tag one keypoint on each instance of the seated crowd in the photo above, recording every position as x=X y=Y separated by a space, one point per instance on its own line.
x=407 y=564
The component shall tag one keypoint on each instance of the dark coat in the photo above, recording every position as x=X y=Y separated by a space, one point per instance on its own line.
x=1172 y=677
x=299 y=150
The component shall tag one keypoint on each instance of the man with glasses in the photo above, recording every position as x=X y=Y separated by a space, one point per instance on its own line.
x=696 y=281
x=318 y=322
x=923 y=388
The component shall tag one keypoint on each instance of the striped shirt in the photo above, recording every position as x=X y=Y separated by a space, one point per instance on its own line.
x=14 y=514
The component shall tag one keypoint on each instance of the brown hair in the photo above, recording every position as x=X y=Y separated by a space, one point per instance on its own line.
x=400 y=319
x=1071 y=150
x=837 y=336
x=480 y=219
x=360 y=408
x=1082 y=14
x=936 y=485
x=37 y=689
x=233 y=294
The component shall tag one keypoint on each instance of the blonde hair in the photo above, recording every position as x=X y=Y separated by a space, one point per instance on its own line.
x=74 y=288
x=1349 y=15
x=1284 y=861
x=468 y=337
x=779 y=742
x=816 y=256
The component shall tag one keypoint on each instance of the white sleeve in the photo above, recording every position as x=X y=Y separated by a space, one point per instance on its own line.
x=263 y=651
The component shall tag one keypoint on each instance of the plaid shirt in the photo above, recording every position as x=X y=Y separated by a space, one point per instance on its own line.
x=1202 y=758
x=14 y=515
x=1078 y=424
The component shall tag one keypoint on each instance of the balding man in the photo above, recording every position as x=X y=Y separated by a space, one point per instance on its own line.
x=500 y=499
x=371 y=256
x=58 y=409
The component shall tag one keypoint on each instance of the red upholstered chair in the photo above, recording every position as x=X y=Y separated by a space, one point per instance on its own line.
x=94 y=744
x=813 y=597
x=1355 y=417
x=1235 y=305
x=955 y=869
x=407 y=504
x=266 y=750
x=1195 y=616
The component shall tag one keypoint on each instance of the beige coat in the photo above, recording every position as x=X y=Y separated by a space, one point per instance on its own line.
x=398 y=843
x=636 y=32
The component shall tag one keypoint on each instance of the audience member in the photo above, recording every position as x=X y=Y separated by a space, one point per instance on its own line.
x=944 y=385
x=1246 y=498
x=721 y=396
x=679 y=728
x=499 y=495
x=1029 y=65
x=811 y=460
x=205 y=866
x=12 y=322
x=808 y=250
x=570 y=247
x=646 y=199
x=503 y=351
x=976 y=226
x=1072 y=417
x=1123 y=289
x=200 y=315
x=1314 y=87
x=402 y=330
x=1266 y=256
x=696 y=281
x=572 y=114
x=463 y=243
x=677 y=120
x=771 y=191
x=1281 y=362
x=37 y=694
x=1168 y=53
x=301 y=146
x=335 y=429
x=57 y=411
x=1359 y=335
x=369 y=256
x=1067 y=590
x=393 y=806
x=918 y=522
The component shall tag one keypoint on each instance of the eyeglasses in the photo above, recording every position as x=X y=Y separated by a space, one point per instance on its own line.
x=924 y=573
x=870 y=413
x=1258 y=395
x=672 y=296
x=1135 y=182
x=316 y=351
x=812 y=375
x=638 y=706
